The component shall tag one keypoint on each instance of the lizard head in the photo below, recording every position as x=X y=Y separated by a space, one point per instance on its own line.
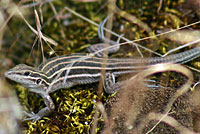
x=28 y=76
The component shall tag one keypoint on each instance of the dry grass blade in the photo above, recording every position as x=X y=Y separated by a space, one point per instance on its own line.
x=178 y=48
x=113 y=33
x=111 y=5
x=163 y=68
x=85 y=1
x=191 y=37
x=38 y=25
x=171 y=121
x=134 y=20
x=4 y=22
x=160 y=5
x=59 y=21
x=99 y=108
x=45 y=38
x=36 y=3
x=135 y=101
x=127 y=40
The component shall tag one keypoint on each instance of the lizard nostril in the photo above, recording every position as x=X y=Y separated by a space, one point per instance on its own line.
x=7 y=74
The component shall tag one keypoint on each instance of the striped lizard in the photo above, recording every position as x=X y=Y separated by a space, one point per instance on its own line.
x=67 y=71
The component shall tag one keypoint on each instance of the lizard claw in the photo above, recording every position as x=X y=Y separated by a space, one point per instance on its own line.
x=32 y=116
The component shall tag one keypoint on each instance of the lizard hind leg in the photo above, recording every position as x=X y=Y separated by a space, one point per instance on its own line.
x=102 y=46
x=110 y=86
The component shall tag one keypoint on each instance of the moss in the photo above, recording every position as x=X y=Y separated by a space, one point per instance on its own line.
x=73 y=113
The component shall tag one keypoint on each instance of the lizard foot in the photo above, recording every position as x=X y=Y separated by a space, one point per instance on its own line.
x=31 y=116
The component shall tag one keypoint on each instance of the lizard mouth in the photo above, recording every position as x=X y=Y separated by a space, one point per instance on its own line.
x=7 y=74
x=30 y=86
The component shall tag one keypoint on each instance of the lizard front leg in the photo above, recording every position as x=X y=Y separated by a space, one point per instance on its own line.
x=44 y=111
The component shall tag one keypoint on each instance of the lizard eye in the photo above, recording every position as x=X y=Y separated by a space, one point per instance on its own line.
x=38 y=81
x=27 y=73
